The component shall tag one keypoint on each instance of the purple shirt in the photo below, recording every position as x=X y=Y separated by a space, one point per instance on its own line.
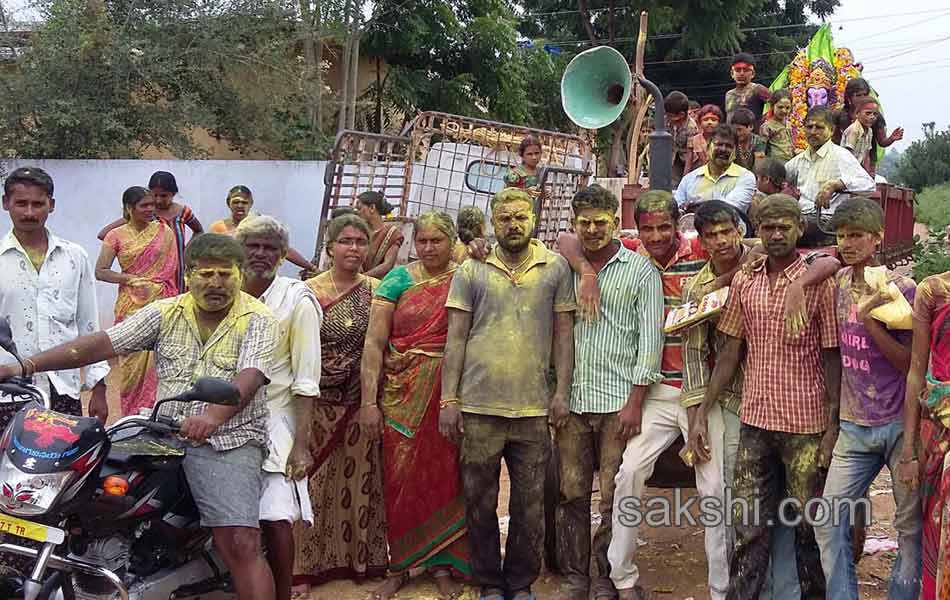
x=872 y=389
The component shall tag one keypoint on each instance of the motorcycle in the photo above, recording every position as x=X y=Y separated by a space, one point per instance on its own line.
x=110 y=507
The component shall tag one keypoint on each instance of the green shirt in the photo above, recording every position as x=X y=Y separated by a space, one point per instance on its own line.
x=622 y=348
x=509 y=345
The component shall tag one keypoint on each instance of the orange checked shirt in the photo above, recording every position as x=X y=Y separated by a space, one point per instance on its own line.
x=784 y=388
x=689 y=260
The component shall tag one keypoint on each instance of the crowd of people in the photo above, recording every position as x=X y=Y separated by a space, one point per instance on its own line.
x=378 y=399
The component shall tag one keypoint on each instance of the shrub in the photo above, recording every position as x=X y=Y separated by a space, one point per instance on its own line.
x=933 y=206
x=931 y=257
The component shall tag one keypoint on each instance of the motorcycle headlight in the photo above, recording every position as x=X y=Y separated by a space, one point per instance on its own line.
x=27 y=494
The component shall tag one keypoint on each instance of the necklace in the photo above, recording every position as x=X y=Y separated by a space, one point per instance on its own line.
x=359 y=277
x=521 y=264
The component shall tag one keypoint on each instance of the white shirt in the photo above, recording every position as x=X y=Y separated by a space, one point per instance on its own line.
x=810 y=170
x=51 y=307
x=295 y=364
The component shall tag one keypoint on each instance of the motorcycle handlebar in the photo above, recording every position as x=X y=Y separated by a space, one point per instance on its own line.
x=161 y=426
x=22 y=387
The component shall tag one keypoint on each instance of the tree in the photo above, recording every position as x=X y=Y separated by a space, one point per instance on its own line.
x=690 y=44
x=927 y=161
x=112 y=78
x=889 y=165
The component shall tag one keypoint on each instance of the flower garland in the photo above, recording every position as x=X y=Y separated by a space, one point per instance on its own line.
x=797 y=76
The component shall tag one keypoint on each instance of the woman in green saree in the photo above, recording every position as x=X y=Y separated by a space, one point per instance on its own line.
x=425 y=512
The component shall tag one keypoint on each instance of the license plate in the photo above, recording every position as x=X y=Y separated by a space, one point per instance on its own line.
x=31 y=531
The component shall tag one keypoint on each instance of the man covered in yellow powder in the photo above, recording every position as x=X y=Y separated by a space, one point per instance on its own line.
x=213 y=330
x=506 y=317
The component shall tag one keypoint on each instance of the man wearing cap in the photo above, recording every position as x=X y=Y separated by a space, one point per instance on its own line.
x=48 y=292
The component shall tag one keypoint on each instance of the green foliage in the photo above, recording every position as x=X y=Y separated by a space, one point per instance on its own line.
x=932 y=257
x=927 y=161
x=82 y=92
x=889 y=166
x=114 y=78
x=933 y=206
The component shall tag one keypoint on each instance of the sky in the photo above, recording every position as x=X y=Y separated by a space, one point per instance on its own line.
x=904 y=47
x=906 y=57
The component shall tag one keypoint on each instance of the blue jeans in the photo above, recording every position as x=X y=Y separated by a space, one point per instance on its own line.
x=860 y=454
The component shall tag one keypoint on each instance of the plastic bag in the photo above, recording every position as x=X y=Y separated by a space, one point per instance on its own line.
x=896 y=314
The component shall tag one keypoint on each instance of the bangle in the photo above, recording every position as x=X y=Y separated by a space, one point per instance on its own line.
x=588 y=274
x=31 y=371
x=368 y=404
x=448 y=402
x=904 y=461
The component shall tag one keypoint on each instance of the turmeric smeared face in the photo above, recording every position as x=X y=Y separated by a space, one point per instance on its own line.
x=721 y=241
x=779 y=234
x=433 y=247
x=513 y=223
x=214 y=284
x=595 y=227
x=240 y=206
x=658 y=233
x=856 y=245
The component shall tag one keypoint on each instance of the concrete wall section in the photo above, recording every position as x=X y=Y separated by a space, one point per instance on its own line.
x=88 y=196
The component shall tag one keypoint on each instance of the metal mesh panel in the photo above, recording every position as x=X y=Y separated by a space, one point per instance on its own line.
x=444 y=162
x=362 y=162
x=461 y=161
x=559 y=186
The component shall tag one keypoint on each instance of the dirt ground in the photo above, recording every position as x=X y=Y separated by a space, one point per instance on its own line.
x=672 y=562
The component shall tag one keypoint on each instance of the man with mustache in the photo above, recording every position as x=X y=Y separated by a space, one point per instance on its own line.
x=717 y=224
x=655 y=420
x=617 y=359
x=213 y=330
x=507 y=315
x=789 y=397
x=294 y=388
x=720 y=178
x=48 y=291
x=825 y=173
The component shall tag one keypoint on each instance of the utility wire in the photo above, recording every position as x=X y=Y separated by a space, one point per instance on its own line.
x=670 y=36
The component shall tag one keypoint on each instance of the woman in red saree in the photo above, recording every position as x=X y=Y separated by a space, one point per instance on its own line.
x=929 y=381
x=348 y=537
x=148 y=256
x=425 y=512
x=387 y=238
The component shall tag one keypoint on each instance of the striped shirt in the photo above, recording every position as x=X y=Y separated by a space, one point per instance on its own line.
x=622 y=348
x=245 y=339
x=688 y=260
x=701 y=344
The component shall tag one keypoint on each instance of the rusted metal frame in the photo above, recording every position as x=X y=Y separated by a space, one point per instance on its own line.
x=549 y=210
x=335 y=172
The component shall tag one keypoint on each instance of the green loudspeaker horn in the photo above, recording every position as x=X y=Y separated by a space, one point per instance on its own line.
x=595 y=87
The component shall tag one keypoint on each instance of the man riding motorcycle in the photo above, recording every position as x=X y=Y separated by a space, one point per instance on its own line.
x=218 y=331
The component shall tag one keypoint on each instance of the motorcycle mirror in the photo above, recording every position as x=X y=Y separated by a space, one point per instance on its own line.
x=6 y=338
x=214 y=390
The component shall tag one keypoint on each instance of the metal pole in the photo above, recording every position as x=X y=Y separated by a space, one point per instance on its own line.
x=661 y=142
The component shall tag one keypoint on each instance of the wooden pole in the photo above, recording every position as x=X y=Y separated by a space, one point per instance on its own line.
x=639 y=98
